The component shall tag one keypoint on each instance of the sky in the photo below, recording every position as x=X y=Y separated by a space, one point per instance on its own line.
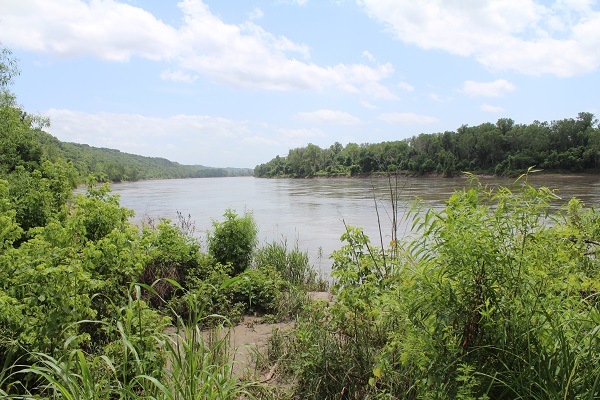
x=234 y=83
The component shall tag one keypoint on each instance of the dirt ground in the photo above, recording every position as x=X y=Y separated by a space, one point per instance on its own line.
x=252 y=335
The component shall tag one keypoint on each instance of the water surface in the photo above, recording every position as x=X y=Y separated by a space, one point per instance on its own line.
x=313 y=212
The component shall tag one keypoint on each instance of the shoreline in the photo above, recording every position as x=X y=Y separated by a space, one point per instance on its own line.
x=438 y=175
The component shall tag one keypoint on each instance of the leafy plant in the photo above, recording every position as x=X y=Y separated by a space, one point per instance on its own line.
x=171 y=254
x=496 y=297
x=233 y=240
x=259 y=290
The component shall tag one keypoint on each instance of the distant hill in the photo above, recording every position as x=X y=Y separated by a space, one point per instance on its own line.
x=116 y=166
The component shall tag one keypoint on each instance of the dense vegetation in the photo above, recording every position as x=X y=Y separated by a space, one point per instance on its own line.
x=94 y=307
x=504 y=148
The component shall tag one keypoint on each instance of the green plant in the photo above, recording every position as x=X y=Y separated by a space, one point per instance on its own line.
x=171 y=254
x=259 y=290
x=495 y=297
x=74 y=377
x=233 y=240
x=210 y=296
x=293 y=265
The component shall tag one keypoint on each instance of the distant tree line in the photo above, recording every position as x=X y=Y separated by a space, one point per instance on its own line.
x=503 y=148
x=110 y=165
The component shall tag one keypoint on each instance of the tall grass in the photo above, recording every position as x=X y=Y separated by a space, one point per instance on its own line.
x=292 y=263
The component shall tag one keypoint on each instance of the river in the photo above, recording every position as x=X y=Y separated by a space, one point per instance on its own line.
x=312 y=212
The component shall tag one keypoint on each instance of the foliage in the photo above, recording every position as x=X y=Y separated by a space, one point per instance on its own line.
x=87 y=299
x=258 y=289
x=115 y=166
x=200 y=365
x=233 y=240
x=171 y=254
x=8 y=67
x=10 y=230
x=504 y=148
x=292 y=264
x=207 y=296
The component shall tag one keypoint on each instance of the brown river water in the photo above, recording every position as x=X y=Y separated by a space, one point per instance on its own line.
x=312 y=212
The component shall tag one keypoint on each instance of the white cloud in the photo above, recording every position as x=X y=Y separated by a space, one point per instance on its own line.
x=406 y=86
x=177 y=76
x=368 y=56
x=243 y=55
x=496 y=88
x=105 y=29
x=439 y=98
x=368 y=105
x=491 y=109
x=328 y=116
x=519 y=35
x=408 y=118
x=256 y=14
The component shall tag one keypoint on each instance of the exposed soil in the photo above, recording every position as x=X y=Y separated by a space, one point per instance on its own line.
x=249 y=337
x=252 y=335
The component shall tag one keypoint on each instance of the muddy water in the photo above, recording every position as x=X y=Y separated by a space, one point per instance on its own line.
x=313 y=212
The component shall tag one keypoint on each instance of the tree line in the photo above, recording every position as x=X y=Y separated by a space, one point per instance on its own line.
x=24 y=143
x=503 y=148
x=111 y=165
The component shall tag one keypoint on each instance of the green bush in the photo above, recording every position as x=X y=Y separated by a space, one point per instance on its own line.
x=259 y=290
x=293 y=265
x=171 y=254
x=205 y=297
x=234 y=241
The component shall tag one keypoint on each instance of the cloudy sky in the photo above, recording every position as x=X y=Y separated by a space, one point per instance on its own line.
x=237 y=82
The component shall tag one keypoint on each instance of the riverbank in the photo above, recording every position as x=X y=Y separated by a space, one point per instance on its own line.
x=438 y=175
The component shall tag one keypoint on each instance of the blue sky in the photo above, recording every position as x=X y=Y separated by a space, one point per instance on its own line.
x=235 y=83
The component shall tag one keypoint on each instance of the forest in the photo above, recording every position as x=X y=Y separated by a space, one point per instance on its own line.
x=504 y=149
x=110 y=165
x=496 y=296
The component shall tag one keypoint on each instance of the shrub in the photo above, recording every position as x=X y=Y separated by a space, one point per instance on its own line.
x=258 y=289
x=495 y=298
x=205 y=297
x=233 y=240
x=170 y=254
